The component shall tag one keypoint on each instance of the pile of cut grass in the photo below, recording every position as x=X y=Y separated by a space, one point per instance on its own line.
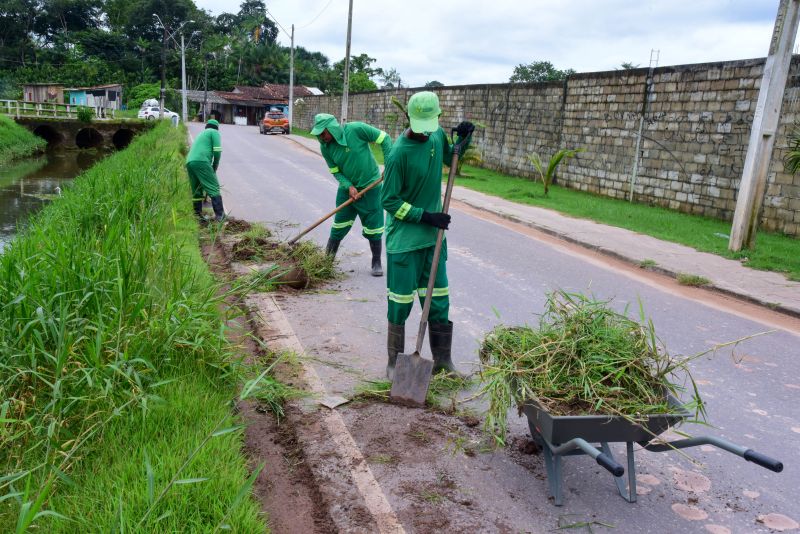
x=583 y=359
x=302 y=265
x=16 y=141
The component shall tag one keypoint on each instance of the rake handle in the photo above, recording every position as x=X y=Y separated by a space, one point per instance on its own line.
x=340 y=207
x=437 y=250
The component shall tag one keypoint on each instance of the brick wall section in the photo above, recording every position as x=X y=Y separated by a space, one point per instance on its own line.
x=695 y=131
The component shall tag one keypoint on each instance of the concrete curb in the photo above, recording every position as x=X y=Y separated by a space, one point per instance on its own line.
x=777 y=307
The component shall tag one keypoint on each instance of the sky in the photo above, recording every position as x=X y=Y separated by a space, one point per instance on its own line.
x=481 y=41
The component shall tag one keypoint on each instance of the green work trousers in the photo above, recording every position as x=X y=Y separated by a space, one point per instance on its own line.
x=203 y=179
x=407 y=275
x=369 y=210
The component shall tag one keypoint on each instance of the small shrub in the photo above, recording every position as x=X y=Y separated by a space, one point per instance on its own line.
x=547 y=174
x=85 y=114
x=694 y=280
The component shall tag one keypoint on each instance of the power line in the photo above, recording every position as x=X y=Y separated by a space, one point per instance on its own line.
x=278 y=23
x=318 y=16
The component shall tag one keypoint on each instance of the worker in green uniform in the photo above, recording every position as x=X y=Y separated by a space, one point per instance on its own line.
x=412 y=198
x=201 y=164
x=346 y=151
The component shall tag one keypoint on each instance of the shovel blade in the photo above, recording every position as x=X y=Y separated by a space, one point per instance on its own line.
x=412 y=376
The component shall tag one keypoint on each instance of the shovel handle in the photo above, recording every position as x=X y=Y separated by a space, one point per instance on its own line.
x=426 y=306
x=341 y=206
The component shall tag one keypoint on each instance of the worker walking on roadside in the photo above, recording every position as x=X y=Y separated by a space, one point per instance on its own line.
x=201 y=164
x=346 y=151
x=412 y=198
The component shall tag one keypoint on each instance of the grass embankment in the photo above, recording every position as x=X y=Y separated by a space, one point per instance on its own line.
x=774 y=252
x=16 y=141
x=116 y=379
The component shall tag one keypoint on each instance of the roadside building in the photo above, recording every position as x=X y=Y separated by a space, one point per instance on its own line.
x=52 y=93
x=98 y=97
x=247 y=105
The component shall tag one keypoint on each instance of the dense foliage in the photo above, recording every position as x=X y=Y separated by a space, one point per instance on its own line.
x=88 y=42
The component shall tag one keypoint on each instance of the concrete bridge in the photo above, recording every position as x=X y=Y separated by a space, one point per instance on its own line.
x=67 y=133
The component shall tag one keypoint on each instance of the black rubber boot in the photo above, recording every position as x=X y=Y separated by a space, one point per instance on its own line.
x=198 y=211
x=219 y=211
x=333 y=246
x=375 y=247
x=440 y=336
x=395 y=343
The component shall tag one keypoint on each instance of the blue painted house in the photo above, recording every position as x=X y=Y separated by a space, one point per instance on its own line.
x=101 y=96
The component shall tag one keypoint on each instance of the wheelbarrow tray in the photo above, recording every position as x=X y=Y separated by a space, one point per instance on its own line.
x=559 y=429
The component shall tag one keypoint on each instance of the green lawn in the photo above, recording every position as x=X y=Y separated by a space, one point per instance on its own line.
x=774 y=252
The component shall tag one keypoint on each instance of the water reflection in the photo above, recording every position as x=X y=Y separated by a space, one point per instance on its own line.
x=27 y=185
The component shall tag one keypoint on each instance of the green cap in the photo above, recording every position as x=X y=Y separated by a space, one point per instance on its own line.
x=213 y=122
x=423 y=112
x=322 y=121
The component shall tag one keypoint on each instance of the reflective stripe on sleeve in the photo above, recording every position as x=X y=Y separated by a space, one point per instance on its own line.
x=381 y=137
x=343 y=224
x=372 y=231
x=403 y=211
x=334 y=170
x=401 y=299
x=437 y=291
x=217 y=149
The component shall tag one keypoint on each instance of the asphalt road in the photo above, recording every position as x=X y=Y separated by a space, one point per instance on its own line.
x=498 y=275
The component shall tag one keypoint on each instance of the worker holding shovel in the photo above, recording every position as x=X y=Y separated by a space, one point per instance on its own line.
x=412 y=197
x=349 y=158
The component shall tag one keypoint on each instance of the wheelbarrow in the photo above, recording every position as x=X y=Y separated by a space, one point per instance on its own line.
x=561 y=436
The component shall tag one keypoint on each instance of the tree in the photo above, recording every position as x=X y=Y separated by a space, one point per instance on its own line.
x=434 y=83
x=390 y=79
x=360 y=82
x=538 y=71
x=627 y=65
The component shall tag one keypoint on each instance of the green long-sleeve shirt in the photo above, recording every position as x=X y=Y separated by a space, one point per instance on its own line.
x=207 y=147
x=412 y=183
x=349 y=157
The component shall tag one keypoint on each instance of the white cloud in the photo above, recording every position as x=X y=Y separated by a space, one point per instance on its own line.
x=477 y=41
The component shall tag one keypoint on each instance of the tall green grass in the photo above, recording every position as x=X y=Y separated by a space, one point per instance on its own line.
x=112 y=355
x=16 y=141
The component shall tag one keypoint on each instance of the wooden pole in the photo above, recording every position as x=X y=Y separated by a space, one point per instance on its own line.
x=765 y=125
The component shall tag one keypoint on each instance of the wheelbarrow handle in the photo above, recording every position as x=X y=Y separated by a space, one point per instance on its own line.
x=763 y=460
x=610 y=465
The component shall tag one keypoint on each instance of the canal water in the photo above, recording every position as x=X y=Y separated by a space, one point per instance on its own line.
x=27 y=185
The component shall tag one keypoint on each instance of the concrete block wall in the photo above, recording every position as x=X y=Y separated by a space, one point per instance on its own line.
x=695 y=130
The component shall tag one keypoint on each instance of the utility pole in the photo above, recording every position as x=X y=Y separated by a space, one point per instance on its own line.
x=163 y=72
x=291 y=81
x=765 y=125
x=346 y=78
x=183 y=80
x=205 y=90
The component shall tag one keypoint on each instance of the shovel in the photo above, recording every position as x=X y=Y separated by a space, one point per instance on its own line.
x=412 y=373
x=341 y=206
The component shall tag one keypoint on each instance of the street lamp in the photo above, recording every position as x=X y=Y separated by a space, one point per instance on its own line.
x=166 y=36
x=209 y=55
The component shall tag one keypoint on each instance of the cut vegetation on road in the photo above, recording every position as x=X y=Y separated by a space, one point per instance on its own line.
x=117 y=380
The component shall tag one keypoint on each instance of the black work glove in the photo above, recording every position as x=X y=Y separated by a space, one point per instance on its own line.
x=439 y=220
x=465 y=129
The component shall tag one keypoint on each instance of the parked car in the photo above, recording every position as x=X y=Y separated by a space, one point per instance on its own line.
x=274 y=122
x=151 y=113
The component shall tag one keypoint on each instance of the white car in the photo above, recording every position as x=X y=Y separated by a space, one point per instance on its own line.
x=151 y=113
